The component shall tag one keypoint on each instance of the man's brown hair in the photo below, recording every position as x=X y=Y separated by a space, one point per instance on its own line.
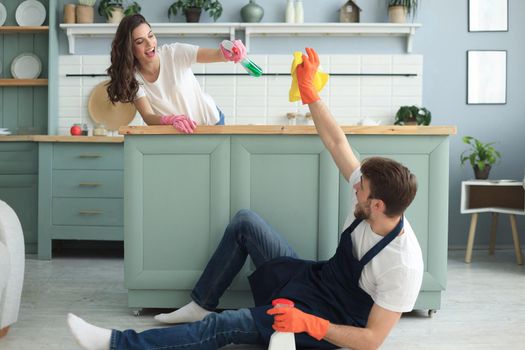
x=391 y=182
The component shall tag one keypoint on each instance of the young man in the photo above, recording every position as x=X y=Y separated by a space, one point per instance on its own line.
x=352 y=300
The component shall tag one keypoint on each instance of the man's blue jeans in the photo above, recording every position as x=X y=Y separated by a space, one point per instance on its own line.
x=246 y=235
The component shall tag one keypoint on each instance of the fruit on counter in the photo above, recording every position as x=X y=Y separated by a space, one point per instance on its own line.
x=76 y=130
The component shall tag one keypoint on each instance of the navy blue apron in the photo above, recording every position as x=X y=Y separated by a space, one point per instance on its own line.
x=328 y=289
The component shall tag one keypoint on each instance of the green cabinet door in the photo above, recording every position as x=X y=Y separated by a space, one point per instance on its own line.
x=427 y=158
x=176 y=208
x=18 y=186
x=292 y=183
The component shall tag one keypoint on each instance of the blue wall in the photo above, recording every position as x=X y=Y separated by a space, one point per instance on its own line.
x=443 y=41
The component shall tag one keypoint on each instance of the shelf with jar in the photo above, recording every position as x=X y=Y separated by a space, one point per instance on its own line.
x=250 y=29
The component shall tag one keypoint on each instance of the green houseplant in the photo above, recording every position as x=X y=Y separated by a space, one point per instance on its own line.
x=480 y=155
x=413 y=115
x=399 y=9
x=192 y=9
x=113 y=10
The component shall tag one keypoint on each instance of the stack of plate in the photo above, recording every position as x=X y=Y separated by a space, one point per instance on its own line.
x=4 y=131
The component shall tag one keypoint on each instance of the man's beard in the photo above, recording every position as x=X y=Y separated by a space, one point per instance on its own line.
x=362 y=211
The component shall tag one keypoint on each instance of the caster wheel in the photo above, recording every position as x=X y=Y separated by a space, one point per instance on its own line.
x=431 y=312
x=137 y=312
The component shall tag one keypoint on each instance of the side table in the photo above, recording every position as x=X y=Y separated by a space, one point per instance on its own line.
x=494 y=196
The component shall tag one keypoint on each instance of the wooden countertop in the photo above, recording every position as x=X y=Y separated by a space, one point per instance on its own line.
x=291 y=130
x=237 y=130
x=62 y=138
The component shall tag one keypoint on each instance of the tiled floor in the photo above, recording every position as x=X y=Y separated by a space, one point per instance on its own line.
x=483 y=307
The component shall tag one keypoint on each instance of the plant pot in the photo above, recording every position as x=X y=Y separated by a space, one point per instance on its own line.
x=117 y=13
x=397 y=14
x=85 y=14
x=193 y=14
x=411 y=122
x=69 y=13
x=482 y=174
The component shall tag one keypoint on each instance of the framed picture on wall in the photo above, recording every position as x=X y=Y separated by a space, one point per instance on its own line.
x=488 y=15
x=486 y=77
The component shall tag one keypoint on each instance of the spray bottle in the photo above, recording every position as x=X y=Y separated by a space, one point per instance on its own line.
x=282 y=340
x=251 y=67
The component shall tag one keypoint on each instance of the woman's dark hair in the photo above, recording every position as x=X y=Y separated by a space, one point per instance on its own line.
x=123 y=86
x=391 y=182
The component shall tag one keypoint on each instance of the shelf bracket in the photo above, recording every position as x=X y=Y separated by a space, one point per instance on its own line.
x=70 y=41
x=410 y=37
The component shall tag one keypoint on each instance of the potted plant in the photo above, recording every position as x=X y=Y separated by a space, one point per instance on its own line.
x=192 y=9
x=113 y=10
x=481 y=156
x=413 y=115
x=399 y=9
x=84 y=11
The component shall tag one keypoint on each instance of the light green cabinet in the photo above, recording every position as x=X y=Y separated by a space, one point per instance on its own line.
x=80 y=193
x=181 y=191
x=18 y=186
x=175 y=188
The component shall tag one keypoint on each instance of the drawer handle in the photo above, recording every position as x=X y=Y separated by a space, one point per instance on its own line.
x=89 y=155
x=90 y=212
x=89 y=184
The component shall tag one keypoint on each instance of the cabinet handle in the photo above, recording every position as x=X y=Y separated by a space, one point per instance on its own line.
x=89 y=184
x=89 y=155
x=90 y=212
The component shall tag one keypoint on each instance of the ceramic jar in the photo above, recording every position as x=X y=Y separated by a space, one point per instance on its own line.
x=252 y=12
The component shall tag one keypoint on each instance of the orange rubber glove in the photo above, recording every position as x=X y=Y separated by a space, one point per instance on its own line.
x=291 y=319
x=305 y=76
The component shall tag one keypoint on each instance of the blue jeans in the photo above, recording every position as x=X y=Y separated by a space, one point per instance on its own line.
x=246 y=235
x=221 y=117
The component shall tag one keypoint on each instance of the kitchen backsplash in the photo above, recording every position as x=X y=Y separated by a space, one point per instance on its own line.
x=246 y=100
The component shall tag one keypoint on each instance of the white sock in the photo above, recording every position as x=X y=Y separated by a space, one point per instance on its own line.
x=190 y=312
x=88 y=336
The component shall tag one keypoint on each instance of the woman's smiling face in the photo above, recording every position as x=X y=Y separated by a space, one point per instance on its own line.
x=144 y=43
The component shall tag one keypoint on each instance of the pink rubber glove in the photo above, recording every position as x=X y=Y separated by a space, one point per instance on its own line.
x=238 y=52
x=179 y=122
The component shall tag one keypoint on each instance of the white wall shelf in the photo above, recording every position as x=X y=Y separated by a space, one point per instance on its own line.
x=330 y=29
x=251 y=30
x=73 y=31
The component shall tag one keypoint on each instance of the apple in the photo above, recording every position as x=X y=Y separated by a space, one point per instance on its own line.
x=75 y=130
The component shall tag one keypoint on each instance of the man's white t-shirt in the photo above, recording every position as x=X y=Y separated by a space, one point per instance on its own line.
x=393 y=277
x=176 y=90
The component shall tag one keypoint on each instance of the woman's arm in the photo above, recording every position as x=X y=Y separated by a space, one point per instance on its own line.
x=143 y=106
x=205 y=55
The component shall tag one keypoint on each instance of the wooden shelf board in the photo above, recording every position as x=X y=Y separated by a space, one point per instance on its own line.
x=23 y=82
x=23 y=29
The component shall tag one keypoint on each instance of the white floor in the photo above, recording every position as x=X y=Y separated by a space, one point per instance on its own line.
x=483 y=306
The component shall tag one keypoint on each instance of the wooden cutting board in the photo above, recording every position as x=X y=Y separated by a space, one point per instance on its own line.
x=102 y=111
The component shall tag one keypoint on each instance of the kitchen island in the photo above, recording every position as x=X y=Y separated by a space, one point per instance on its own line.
x=180 y=192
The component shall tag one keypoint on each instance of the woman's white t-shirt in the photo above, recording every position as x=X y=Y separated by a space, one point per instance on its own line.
x=393 y=277
x=176 y=90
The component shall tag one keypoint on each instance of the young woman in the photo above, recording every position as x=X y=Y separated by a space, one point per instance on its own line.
x=159 y=80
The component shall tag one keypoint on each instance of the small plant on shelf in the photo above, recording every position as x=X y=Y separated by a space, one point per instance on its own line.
x=113 y=10
x=413 y=115
x=398 y=10
x=480 y=155
x=192 y=9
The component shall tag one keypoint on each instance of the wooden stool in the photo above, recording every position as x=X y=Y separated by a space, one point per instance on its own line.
x=507 y=197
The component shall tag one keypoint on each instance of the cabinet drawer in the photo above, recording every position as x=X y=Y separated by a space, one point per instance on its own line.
x=88 y=183
x=81 y=156
x=87 y=211
x=18 y=158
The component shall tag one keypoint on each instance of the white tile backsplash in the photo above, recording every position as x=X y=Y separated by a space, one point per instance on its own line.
x=247 y=100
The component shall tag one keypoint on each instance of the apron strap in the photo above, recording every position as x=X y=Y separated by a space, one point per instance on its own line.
x=352 y=226
x=382 y=243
